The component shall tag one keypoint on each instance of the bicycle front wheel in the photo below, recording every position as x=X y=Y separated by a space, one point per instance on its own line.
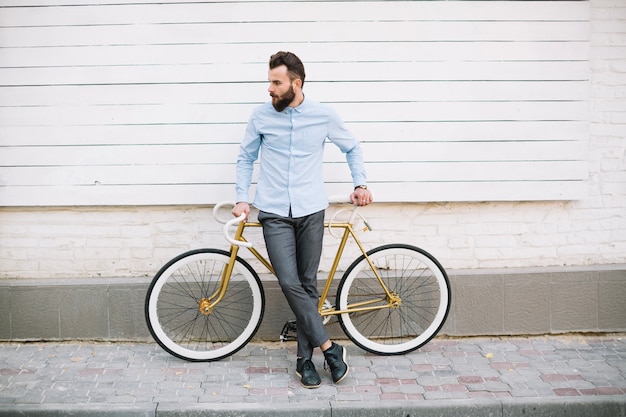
x=418 y=308
x=178 y=299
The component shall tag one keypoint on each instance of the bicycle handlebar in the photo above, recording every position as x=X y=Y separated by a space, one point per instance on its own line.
x=336 y=199
x=229 y=222
x=218 y=206
x=230 y=239
x=339 y=199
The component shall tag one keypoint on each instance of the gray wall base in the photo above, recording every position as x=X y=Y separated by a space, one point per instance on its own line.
x=484 y=302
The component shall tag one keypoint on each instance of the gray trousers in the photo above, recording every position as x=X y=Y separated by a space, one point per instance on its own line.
x=294 y=246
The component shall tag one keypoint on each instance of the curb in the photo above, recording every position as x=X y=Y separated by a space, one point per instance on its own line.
x=600 y=406
x=307 y=409
x=571 y=407
x=510 y=407
x=78 y=410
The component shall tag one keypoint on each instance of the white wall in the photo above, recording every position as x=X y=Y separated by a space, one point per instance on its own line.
x=136 y=241
x=133 y=241
x=130 y=103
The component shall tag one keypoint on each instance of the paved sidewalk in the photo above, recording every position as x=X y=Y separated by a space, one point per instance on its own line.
x=536 y=376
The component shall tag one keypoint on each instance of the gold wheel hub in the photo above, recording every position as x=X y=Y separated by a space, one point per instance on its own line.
x=395 y=301
x=205 y=306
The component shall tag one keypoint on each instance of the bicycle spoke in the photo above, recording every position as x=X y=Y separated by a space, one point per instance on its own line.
x=186 y=317
x=414 y=314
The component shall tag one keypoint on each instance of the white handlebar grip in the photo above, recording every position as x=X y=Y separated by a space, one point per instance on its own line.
x=339 y=199
x=218 y=206
x=230 y=239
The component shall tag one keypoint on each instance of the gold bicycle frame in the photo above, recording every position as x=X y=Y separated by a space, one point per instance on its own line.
x=388 y=299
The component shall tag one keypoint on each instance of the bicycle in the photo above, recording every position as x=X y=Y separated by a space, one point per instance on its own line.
x=207 y=304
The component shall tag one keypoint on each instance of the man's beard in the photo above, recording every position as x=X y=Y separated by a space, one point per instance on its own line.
x=280 y=103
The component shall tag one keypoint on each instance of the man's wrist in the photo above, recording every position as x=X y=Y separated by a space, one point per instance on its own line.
x=362 y=186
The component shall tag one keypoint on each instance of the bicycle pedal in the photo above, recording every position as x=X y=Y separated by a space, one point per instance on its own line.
x=289 y=327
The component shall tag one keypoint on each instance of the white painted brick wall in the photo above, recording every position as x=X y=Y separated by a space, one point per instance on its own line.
x=136 y=241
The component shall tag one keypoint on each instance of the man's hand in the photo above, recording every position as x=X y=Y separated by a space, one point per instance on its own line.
x=241 y=208
x=361 y=197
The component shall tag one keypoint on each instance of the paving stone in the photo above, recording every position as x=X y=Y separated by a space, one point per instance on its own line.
x=532 y=369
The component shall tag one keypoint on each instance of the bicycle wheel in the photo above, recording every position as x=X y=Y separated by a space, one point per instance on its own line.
x=421 y=287
x=177 y=299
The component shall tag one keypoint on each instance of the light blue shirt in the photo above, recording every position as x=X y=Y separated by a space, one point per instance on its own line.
x=291 y=145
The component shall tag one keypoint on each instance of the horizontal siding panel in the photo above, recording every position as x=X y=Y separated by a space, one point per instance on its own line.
x=118 y=195
x=221 y=73
x=212 y=193
x=247 y=11
x=463 y=111
x=450 y=91
x=121 y=134
x=473 y=131
x=484 y=191
x=203 y=53
x=394 y=91
x=157 y=155
x=20 y=159
x=263 y=32
x=223 y=173
x=148 y=174
x=458 y=71
x=233 y=133
x=469 y=172
x=112 y=114
x=351 y=112
x=470 y=151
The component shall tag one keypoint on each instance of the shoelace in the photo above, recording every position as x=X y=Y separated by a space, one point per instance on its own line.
x=307 y=366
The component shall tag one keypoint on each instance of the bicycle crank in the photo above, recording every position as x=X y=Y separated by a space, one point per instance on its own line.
x=327 y=306
x=289 y=332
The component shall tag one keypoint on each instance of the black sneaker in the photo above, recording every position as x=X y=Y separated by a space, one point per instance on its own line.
x=309 y=378
x=336 y=360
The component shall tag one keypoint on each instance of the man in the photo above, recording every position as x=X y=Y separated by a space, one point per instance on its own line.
x=290 y=134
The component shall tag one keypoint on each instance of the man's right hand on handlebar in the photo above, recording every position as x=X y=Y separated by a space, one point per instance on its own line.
x=241 y=208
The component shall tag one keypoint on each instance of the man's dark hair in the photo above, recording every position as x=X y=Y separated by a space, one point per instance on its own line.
x=295 y=67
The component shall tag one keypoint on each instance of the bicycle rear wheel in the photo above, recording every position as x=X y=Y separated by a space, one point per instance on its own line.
x=177 y=313
x=417 y=280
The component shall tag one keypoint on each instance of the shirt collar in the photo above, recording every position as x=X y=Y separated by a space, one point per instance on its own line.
x=302 y=106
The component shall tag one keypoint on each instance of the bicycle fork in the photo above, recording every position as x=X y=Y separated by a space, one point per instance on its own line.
x=206 y=304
